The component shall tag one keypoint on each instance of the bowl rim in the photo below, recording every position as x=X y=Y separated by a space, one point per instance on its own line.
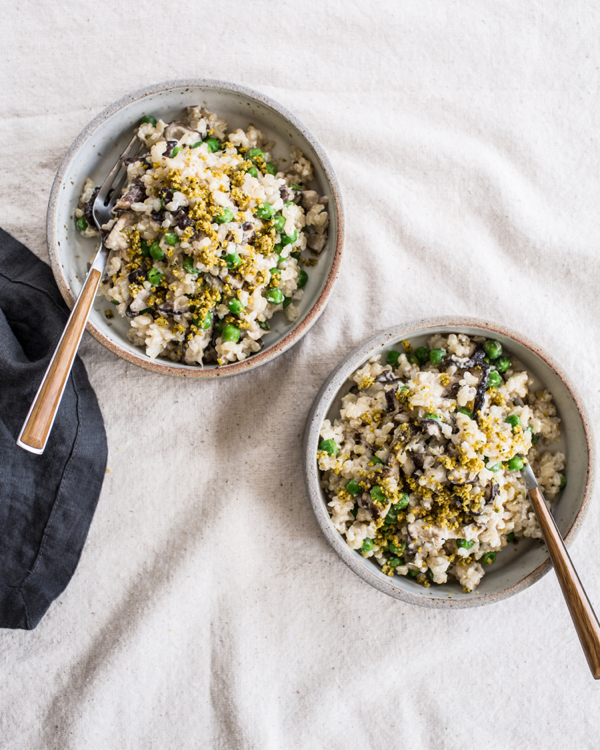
x=329 y=392
x=267 y=354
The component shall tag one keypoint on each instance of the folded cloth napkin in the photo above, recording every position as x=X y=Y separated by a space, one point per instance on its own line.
x=46 y=502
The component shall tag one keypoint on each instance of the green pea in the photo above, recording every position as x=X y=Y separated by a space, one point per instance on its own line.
x=155 y=276
x=513 y=420
x=156 y=252
x=231 y=333
x=492 y=348
x=563 y=481
x=391 y=517
x=289 y=203
x=274 y=296
x=198 y=143
x=392 y=358
x=287 y=301
x=264 y=324
x=144 y=248
x=212 y=144
x=375 y=460
x=175 y=151
x=279 y=223
x=510 y=537
x=487 y=360
x=114 y=302
x=466 y=412
x=264 y=211
x=354 y=511
x=204 y=324
x=150 y=119
x=288 y=239
x=275 y=272
x=82 y=224
x=465 y=543
x=296 y=187
x=502 y=364
x=412 y=359
x=515 y=463
x=377 y=494
x=171 y=238
x=494 y=380
x=147 y=310
x=219 y=325
x=432 y=415
x=437 y=356
x=233 y=260
x=225 y=216
x=271 y=168
x=253 y=171
x=329 y=446
x=414 y=573
x=402 y=502
x=393 y=549
x=488 y=558
x=302 y=278
x=367 y=545
x=534 y=438
x=235 y=306
x=255 y=153
x=495 y=467
x=394 y=562
x=354 y=487
x=188 y=264
x=422 y=354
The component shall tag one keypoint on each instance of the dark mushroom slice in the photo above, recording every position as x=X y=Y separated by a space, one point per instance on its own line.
x=431 y=427
x=182 y=219
x=248 y=230
x=481 y=389
x=288 y=194
x=138 y=276
x=365 y=502
x=166 y=195
x=136 y=193
x=166 y=308
x=89 y=207
x=387 y=376
x=170 y=146
x=135 y=159
x=418 y=458
x=158 y=216
x=491 y=491
x=177 y=129
x=390 y=401
x=475 y=360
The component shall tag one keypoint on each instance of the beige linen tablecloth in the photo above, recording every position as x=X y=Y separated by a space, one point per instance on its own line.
x=208 y=611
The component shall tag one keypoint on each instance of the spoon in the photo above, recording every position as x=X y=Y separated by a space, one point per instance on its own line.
x=581 y=611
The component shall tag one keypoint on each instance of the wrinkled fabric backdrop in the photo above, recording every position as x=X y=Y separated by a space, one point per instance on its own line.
x=207 y=610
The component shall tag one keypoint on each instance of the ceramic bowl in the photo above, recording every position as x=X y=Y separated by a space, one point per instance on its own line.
x=517 y=566
x=97 y=148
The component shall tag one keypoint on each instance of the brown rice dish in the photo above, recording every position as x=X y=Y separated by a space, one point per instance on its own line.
x=422 y=467
x=210 y=239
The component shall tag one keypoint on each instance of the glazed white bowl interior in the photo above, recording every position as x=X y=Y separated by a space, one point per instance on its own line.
x=517 y=565
x=97 y=149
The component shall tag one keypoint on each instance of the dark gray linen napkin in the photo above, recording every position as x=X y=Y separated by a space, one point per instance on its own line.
x=46 y=502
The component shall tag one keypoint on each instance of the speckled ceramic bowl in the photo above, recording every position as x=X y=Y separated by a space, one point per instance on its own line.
x=97 y=148
x=517 y=566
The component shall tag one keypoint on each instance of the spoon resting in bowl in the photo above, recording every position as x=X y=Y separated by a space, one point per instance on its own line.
x=581 y=611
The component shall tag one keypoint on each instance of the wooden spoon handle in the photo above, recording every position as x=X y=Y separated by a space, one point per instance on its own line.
x=582 y=613
x=40 y=419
